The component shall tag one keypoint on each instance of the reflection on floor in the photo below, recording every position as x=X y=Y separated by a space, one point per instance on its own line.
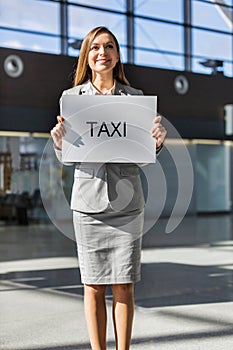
x=183 y=301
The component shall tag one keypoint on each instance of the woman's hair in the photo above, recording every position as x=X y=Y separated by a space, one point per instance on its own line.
x=83 y=72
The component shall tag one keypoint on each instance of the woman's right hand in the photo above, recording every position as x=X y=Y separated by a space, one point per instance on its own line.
x=58 y=132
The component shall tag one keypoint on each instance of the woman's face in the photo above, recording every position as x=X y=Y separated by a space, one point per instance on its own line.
x=103 y=55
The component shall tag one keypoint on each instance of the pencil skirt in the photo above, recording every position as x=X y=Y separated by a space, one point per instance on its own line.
x=109 y=246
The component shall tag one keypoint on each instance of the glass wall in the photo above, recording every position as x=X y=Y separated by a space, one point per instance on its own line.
x=212 y=33
x=30 y=25
x=160 y=33
x=158 y=44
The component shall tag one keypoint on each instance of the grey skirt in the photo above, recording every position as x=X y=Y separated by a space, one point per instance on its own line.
x=109 y=246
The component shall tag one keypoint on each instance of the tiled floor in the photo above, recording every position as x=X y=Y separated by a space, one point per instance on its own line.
x=184 y=300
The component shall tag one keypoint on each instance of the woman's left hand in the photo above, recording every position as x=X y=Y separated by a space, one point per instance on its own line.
x=158 y=131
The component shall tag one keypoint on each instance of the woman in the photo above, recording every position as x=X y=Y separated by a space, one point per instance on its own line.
x=108 y=221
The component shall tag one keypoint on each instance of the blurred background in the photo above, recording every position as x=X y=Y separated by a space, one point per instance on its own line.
x=182 y=53
x=178 y=50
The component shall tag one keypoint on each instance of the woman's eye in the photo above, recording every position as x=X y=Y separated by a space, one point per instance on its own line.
x=94 y=48
x=109 y=46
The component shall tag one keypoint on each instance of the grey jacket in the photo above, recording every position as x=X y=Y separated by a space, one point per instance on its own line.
x=97 y=186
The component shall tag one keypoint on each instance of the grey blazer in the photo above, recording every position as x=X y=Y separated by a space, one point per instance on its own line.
x=97 y=186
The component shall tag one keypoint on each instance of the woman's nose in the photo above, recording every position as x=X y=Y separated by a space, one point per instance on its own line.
x=102 y=50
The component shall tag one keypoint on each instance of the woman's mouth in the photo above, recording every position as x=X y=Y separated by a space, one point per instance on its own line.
x=102 y=60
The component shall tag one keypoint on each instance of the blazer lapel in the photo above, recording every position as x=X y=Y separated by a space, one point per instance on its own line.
x=86 y=89
x=119 y=89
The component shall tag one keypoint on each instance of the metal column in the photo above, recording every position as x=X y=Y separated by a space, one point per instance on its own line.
x=187 y=35
x=130 y=31
x=64 y=27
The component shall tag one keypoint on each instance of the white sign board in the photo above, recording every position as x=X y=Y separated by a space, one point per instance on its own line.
x=108 y=129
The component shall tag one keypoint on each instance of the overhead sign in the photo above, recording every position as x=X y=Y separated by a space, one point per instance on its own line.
x=108 y=129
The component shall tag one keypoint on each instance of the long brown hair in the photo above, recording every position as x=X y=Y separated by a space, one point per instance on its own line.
x=83 y=72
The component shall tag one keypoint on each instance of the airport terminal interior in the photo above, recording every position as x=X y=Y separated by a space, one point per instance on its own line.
x=180 y=51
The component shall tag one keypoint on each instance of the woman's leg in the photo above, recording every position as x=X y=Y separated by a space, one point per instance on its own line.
x=96 y=315
x=123 y=311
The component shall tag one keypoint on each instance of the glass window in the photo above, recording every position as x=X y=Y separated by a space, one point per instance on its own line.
x=118 y=5
x=79 y=26
x=31 y=42
x=166 y=9
x=123 y=54
x=161 y=60
x=211 y=16
x=198 y=68
x=212 y=45
x=228 y=69
x=157 y=35
x=228 y=2
x=32 y=15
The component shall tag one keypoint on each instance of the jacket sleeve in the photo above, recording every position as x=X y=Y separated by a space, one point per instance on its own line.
x=58 y=153
x=159 y=149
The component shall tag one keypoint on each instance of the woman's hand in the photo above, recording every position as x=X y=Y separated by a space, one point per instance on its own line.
x=158 y=131
x=58 y=132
